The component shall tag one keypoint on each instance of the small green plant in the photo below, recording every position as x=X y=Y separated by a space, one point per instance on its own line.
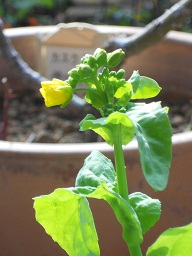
x=65 y=214
x=31 y=12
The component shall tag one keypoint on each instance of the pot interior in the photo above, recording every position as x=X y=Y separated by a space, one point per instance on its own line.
x=168 y=62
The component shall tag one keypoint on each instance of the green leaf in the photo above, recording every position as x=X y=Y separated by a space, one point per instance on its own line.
x=148 y=88
x=96 y=98
x=134 y=80
x=98 y=173
x=105 y=126
x=124 y=100
x=148 y=210
x=153 y=132
x=96 y=169
x=67 y=218
x=109 y=90
x=124 y=89
x=173 y=242
x=125 y=214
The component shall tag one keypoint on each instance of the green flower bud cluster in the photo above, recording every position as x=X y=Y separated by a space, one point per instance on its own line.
x=113 y=82
x=73 y=79
x=109 y=60
x=87 y=70
x=110 y=108
x=102 y=86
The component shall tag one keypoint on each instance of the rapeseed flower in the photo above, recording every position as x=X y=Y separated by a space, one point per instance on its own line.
x=56 y=92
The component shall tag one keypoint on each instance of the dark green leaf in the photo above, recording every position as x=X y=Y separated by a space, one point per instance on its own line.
x=95 y=98
x=148 y=210
x=153 y=132
x=109 y=90
x=173 y=242
x=98 y=172
x=96 y=168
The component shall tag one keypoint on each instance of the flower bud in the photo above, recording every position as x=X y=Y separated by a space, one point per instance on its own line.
x=120 y=74
x=85 y=58
x=114 y=58
x=105 y=72
x=113 y=73
x=92 y=62
x=85 y=71
x=56 y=92
x=74 y=73
x=72 y=82
x=100 y=56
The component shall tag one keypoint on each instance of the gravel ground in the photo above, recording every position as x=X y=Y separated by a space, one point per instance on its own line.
x=31 y=121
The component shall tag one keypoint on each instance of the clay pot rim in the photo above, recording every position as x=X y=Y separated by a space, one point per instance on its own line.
x=172 y=36
x=46 y=148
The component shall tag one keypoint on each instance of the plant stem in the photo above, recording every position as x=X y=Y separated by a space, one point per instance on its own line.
x=135 y=251
x=122 y=177
x=120 y=164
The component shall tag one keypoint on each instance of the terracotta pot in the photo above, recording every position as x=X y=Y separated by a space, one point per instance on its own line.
x=29 y=170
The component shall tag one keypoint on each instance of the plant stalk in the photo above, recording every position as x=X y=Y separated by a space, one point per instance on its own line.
x=122 y=177
x=120 y=164
x=135 y=250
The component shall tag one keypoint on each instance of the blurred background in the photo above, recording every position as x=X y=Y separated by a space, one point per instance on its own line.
x=112 y=12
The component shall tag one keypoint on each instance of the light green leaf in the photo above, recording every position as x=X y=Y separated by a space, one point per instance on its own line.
x=148 y=210
x=153 y=132
x=125 y=214
x=173 y=242
x=135 y=80
x=148 y=88
x=67 y=218
x=124 y=100
x=126 y=88
x=105 y=126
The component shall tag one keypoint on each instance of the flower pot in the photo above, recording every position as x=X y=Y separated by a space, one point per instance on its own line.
x=28 y=170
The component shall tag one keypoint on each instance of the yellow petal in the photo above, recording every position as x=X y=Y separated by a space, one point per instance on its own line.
x=56 y=92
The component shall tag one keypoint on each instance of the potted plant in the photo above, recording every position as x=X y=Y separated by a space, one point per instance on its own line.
x=28 y=170
x=65 y=213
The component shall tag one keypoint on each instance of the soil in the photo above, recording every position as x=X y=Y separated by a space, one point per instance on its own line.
x=31 y=121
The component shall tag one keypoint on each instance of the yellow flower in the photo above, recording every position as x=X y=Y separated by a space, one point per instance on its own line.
x=56 y=92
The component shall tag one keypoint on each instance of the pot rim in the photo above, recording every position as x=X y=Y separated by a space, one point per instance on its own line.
x=174 y=36
x=46 y=148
